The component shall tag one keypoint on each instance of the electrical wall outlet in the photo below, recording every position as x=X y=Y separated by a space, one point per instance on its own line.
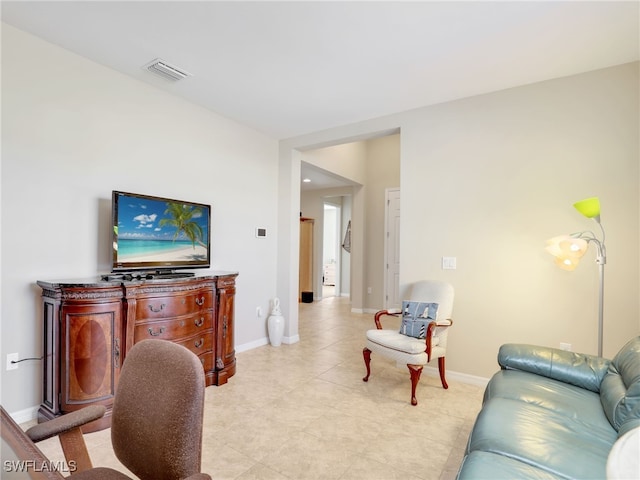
x=12 y=357
x=565 y=346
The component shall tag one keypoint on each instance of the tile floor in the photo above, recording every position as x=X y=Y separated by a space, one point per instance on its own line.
x=302 y=412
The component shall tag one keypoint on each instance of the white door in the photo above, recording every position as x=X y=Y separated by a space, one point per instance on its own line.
x=392 y=250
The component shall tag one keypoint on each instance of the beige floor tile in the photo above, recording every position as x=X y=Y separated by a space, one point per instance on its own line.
x=225 y=463
x=304 y=456
x=369 y=469
x=350 y=432
x=261 y=472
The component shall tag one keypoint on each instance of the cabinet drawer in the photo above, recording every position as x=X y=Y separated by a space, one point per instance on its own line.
x=174 y=328
x=207 y=361
x=199 y=344
x=173 y=306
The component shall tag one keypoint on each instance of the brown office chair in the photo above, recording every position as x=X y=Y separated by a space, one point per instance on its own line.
x=156 y=423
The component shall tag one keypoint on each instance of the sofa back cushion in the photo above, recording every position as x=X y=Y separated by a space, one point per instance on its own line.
x=620 y=388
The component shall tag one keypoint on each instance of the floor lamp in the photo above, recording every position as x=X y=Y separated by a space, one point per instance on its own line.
x=568 y=249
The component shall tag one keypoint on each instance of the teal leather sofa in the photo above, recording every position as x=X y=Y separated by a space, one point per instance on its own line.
x=553 y=414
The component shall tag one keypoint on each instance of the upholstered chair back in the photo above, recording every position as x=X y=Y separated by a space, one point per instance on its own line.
x=440 y=293
x=156 y=428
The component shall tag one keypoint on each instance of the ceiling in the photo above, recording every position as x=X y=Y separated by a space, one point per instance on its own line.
x=320 y=178
x=290 y=68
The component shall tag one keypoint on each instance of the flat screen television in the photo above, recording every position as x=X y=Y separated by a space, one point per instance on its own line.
x=159 y=234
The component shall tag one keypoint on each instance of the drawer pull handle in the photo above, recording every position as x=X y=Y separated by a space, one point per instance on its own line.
x=200 y=301
x=156 y=310
x=116 y=353
x=202 y=361
x=155 y=334
x=199 y=321
x=199 y=343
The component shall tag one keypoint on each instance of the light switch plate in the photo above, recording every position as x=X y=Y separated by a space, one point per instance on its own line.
x=448 y=263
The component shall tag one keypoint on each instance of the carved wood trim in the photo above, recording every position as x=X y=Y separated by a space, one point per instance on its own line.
x=169 y=288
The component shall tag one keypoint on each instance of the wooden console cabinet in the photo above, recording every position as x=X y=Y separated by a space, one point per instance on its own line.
x=90 y=325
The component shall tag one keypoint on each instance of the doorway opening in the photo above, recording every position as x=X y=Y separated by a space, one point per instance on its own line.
x=331 y=251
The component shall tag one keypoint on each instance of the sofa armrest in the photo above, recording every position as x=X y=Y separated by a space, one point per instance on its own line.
x=579 y=369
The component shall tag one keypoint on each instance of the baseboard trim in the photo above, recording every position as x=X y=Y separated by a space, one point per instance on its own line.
x=26 y=415
x=458 y=377
x=251 y=345
x=265 y=341
x=291 y=340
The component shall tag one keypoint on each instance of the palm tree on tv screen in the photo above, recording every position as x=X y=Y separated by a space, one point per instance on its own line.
x=182 y=218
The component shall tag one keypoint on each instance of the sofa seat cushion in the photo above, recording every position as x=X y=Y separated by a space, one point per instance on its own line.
x=553 y=395
x=567 y=446
x=488 y=465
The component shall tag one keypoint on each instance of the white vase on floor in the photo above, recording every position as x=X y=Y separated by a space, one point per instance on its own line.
x=275 y=324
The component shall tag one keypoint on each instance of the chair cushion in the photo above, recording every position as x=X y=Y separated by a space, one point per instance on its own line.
x=416 y=316
x=396 y=341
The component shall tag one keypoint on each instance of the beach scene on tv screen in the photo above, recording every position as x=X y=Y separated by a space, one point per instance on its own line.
x=161 y=231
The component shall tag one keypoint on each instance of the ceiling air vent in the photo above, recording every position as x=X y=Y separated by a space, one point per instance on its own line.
x=166 y=70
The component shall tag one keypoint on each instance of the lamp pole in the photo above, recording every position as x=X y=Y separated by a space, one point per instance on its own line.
x=601 y=260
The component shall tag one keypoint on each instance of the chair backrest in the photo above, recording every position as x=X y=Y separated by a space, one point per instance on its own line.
x=156 y=426
x=436 y=292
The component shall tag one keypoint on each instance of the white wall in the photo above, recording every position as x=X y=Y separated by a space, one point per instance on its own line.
x=383 y=172
x=72 y=131
x=488 y=179
x=492 y=178
x=348 y=160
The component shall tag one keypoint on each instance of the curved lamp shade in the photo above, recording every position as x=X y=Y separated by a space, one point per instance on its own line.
x=567 y=250
x=589 y=207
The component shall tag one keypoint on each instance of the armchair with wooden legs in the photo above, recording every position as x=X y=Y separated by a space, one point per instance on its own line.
x=407 y=350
